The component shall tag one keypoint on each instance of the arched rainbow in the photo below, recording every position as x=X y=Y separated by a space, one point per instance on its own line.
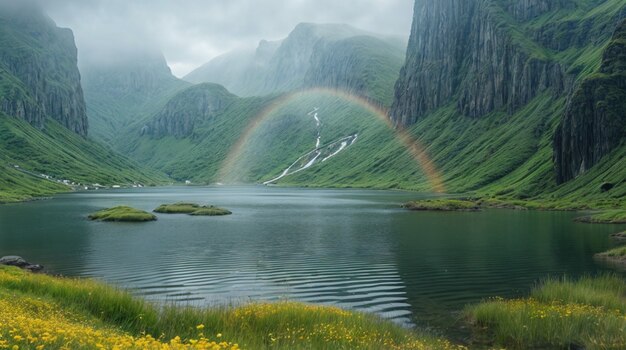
x=413 y=146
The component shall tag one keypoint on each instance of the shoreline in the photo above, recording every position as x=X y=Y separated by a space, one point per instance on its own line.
x=483 y=201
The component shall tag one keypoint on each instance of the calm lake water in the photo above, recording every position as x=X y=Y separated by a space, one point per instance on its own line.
x=352 y=248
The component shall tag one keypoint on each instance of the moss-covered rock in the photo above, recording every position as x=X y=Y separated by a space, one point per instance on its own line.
x=122 y=214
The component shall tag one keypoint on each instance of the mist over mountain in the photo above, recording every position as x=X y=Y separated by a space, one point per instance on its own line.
x=119 y=91
x=313 y=55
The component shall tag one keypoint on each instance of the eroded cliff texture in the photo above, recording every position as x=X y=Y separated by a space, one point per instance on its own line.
x=595 y=118
x=190 y=106
x=467 y=51
x=39 y=77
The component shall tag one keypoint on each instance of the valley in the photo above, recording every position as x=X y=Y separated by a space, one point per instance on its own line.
x=459 y=184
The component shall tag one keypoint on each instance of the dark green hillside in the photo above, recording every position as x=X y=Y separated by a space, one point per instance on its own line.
x=375 y=160
x=62 y=155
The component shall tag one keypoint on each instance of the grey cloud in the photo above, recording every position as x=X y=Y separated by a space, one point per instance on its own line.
x=192 y=32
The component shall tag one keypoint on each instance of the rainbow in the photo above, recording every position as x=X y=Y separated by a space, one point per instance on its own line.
x=413 y=146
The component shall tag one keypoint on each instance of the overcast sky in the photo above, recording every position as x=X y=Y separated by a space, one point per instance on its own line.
x=191 y=32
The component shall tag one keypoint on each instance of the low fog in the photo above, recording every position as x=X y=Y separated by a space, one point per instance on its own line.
x=190 y=33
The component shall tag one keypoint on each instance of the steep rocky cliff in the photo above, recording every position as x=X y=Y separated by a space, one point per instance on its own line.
x=471 y=52
x=198 y=103
x=595 y=118
x=487 y=83
x=39 y=77
x=313 y=55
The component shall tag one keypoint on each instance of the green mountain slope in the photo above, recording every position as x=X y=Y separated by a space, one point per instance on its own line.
x=61 y=155
x=253 y=140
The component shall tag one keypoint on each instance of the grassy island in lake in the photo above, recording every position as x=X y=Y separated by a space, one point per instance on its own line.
x=122 y=214
x=40 y=311
x=617 y=216
x=442 y=205
x=191 y=209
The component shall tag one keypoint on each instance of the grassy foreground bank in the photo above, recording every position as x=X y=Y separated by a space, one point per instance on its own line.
x=44 y=312
x=589 y=313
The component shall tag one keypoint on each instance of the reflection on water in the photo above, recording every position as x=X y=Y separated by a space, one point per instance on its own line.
x=351 y=248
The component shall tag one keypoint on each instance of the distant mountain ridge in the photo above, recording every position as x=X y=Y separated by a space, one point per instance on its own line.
x=313 y=55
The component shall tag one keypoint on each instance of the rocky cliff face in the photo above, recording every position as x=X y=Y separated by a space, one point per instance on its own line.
x=180 y=115
x=466 y=51
x=595 y=118
x=39 y=77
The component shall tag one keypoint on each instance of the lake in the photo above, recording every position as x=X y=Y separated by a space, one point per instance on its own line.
x=352 y=248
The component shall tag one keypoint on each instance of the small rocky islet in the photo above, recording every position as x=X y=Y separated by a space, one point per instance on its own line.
x=122 y=213
x=192 y=209
x=442 y=205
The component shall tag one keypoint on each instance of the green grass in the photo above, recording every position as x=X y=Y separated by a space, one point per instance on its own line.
x=606 y=217
x=442 y=205
x=16 y=186
x=191 y=209
x=589 y=312
x=115 y=314
x=123 y=214
x=177 y=208
x=63 y=155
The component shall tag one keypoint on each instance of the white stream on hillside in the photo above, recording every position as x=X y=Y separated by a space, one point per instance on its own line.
x=324 y=152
